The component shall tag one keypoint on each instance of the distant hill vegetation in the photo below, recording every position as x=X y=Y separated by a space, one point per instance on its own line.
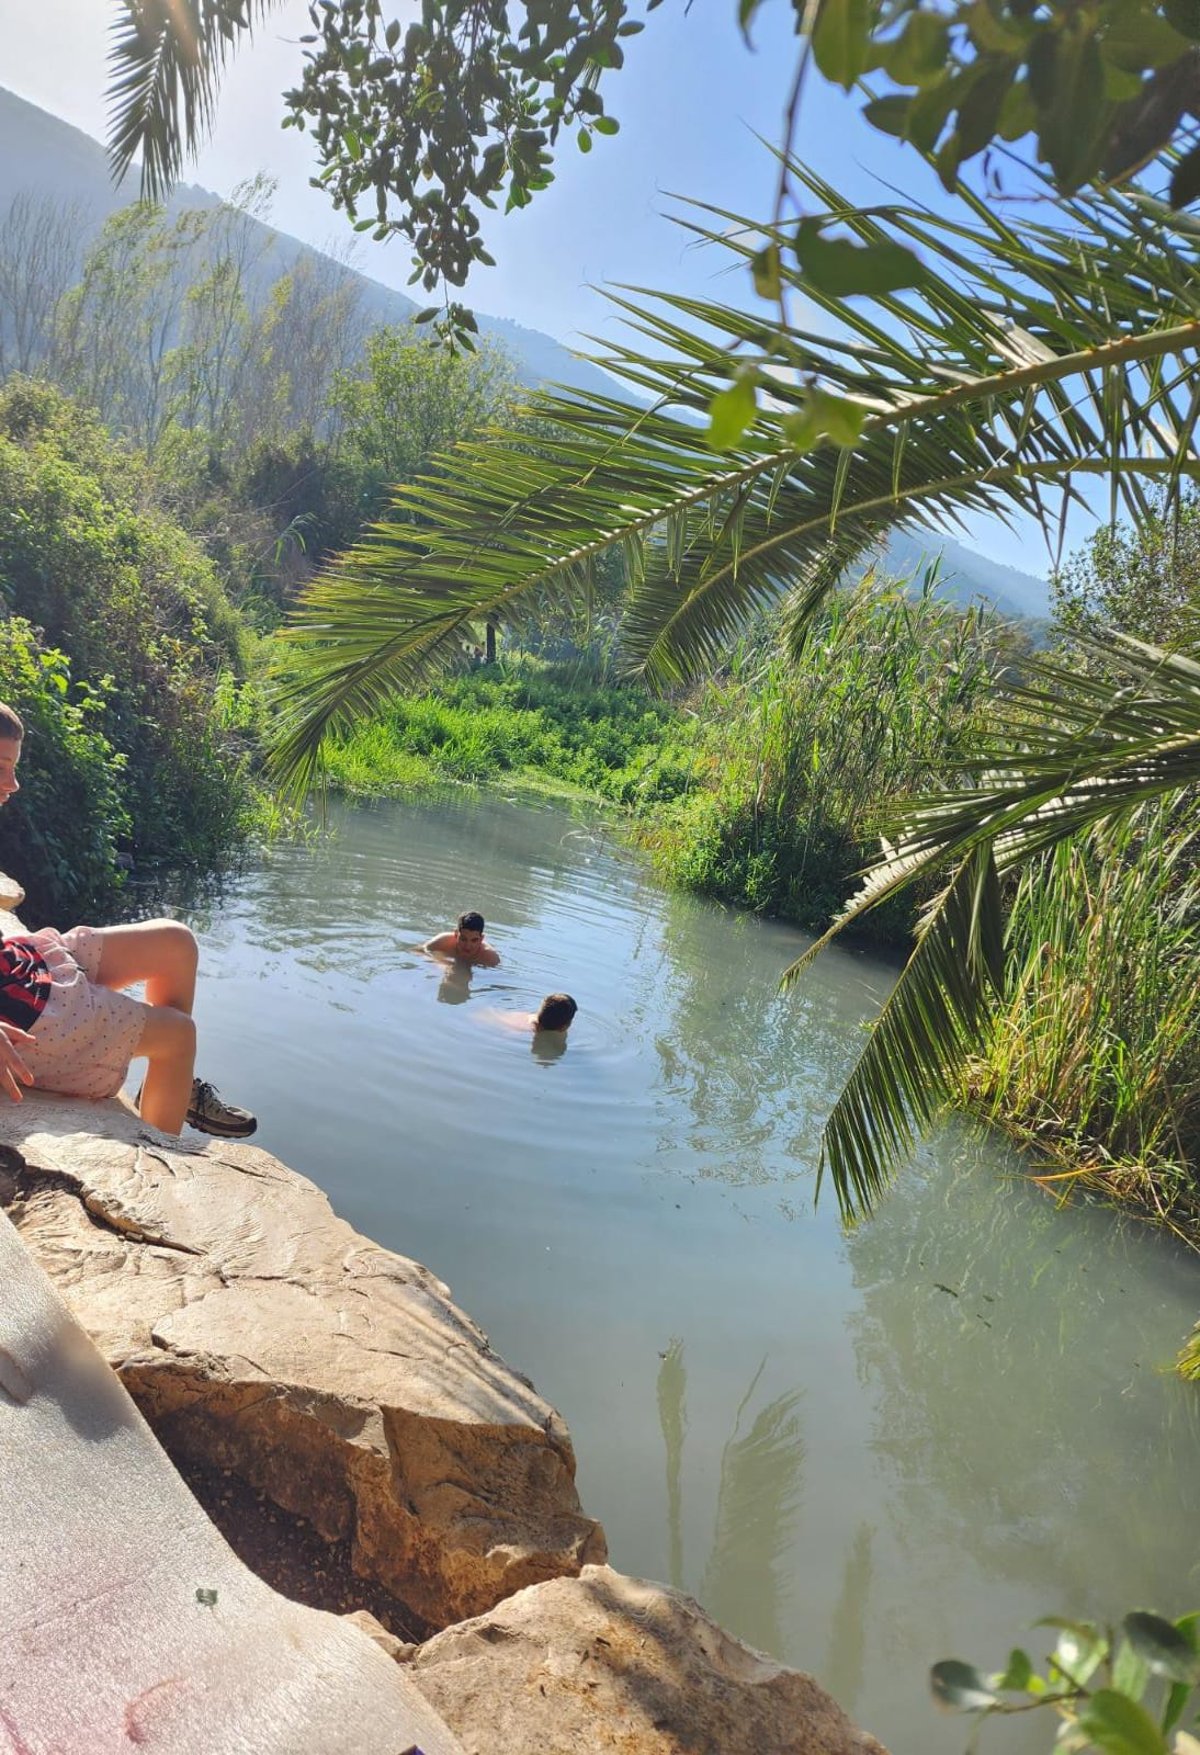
x=45 y=157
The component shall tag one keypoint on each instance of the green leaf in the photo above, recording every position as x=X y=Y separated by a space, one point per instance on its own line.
x=920 y=51
x=839 y=267
x=1185 y=179
x=992 y=34
x=1120 y=1726
x=585 y=140
x=1139 y=39
x=606 y=125
x=765 y=269
x=1162 y=1647
x=730 y=412
x=841 y=39
x=1185 y=16
x=961 y=1686
x=1017 y=1677
x=1067 y=77
x=838 y=416
x=888 y=114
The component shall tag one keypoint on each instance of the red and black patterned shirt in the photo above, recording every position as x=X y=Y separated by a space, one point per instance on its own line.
x=24 y=982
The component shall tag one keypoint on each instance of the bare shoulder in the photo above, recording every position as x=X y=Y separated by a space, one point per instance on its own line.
x=489 y=957
x=441 y=945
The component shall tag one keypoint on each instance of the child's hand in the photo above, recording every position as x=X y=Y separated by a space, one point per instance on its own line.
x=13 y=1071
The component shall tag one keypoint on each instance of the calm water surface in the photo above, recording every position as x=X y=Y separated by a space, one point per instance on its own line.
x=861 y=1452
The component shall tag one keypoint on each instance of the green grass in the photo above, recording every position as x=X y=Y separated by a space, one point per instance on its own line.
x=521 y=721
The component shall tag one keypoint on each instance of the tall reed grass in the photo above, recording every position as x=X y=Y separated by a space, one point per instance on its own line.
x=1095 y=1058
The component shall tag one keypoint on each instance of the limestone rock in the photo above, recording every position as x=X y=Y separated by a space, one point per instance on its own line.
x=11 y=897
x=258 y=1332
x=603 y=1663
x=124 y=1618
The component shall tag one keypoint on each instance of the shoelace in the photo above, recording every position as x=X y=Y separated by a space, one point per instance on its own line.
x=203 y=1095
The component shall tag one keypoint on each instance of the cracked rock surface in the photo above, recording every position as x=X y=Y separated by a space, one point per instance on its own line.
x=607 y=1665
x=259 y=1332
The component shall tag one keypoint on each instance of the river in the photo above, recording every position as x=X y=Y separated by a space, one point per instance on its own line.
x=862 y=1451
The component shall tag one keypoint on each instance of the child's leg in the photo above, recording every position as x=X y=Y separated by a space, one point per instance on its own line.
x=162 y=953
x=168 y=1041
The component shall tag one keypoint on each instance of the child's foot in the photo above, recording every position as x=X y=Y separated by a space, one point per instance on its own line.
x=208 y=1112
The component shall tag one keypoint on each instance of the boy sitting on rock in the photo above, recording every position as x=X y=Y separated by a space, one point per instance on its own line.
x=67 y=1025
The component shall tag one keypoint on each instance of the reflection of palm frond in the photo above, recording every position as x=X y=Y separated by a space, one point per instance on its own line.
x=1019 y=364
x=166 y=58
x=757 y=1504
x=843 y=1672
x=672 y=1417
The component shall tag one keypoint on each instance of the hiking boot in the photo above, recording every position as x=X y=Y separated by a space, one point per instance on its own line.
x=208 y=1112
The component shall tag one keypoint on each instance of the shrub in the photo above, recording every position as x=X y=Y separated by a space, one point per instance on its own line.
x=58 y=836
x=140 y=613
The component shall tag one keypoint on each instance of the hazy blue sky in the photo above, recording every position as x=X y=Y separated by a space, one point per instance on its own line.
x=691 y=100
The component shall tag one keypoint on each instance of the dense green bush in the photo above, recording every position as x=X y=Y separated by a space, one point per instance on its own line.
x=58 y=836
x=140 y=611
x=801 y=757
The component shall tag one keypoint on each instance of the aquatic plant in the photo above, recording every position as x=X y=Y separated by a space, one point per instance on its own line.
x=1116 y=1693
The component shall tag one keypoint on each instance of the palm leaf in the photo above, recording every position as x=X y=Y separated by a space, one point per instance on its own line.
x=1019 y=366
x=1069 y=751
x=936 y=1015
x=165 y=60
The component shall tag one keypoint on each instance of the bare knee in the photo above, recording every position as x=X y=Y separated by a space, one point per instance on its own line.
x=168 y=1034
x=179 y=944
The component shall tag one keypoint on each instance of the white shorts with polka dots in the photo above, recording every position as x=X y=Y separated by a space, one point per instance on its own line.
x=87 y=1035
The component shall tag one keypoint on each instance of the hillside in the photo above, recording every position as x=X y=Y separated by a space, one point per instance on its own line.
x=41 y=154
x=966 y=576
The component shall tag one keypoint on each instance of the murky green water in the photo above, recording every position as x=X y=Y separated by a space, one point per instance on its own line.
x=861 y=1452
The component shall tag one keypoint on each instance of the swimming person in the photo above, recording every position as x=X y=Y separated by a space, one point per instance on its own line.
x=466 y=942
x=553 y=1017
x=66 y=1024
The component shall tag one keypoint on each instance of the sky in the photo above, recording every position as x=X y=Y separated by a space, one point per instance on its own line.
x=692 y=102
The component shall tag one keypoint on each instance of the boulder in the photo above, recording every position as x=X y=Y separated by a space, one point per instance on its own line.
x=261 y=1334
x=603 y=1663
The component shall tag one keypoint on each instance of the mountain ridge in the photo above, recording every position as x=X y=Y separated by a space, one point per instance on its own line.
x=41 y=154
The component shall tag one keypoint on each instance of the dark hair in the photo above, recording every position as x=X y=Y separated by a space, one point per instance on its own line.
x=10 y=724
x=555 y=1012
x=471 y=921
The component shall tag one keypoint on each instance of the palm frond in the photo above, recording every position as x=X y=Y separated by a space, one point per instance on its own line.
x=935 y=1016
x=165 y=59
x=1020 y=365
x=1068 y=751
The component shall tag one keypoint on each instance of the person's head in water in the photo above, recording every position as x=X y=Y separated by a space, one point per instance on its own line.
x=468 y=932
x=555 y=1012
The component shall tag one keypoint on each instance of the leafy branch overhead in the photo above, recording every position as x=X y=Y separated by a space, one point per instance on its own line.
x=419 y=125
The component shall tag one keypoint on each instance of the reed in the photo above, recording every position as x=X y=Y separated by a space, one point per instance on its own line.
x=1093 y=1062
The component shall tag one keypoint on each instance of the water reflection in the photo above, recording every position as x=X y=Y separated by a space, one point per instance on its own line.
x=455 y=983
x=1011 y=1366
x=745 y=1581
x=845 y=1661
x=967 y=1390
